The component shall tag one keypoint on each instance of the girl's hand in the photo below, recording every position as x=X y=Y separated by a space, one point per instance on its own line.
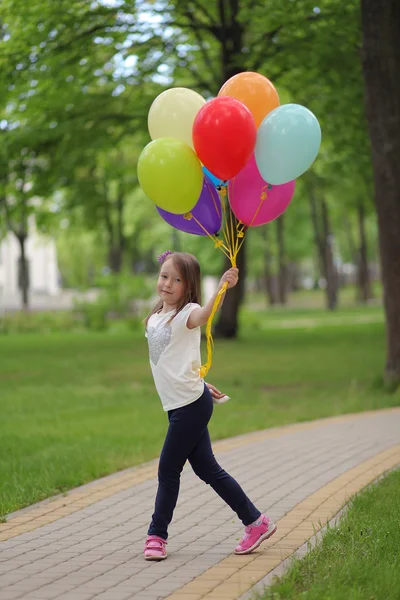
x=214 y=392
x=231 y=276
x=200 y=316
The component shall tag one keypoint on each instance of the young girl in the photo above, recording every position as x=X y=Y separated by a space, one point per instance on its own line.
x=173 y=332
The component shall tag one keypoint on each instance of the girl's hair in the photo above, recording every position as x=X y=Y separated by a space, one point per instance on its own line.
x=189 y=269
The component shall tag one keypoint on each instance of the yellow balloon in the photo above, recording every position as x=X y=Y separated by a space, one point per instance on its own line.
x=172 y=114
x=170 y=174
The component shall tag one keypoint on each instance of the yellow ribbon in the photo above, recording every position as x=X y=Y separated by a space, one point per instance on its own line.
x=230 y=247
x=210 y=342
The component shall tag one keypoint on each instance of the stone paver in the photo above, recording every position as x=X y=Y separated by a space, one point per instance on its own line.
x=89 y=544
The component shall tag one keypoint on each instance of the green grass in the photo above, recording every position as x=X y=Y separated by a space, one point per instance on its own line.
x=316 y=299
x=77 y=406
x=282 y=317
x=358 y=560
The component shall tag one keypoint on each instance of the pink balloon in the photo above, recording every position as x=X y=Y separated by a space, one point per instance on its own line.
x=248 y=192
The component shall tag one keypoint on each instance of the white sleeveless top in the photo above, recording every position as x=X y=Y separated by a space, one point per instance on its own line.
x=175 y=358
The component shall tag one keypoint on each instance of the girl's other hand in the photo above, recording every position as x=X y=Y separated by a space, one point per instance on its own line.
x=215 y=393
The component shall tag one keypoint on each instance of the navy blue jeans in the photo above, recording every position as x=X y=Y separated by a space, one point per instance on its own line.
x=188 y=439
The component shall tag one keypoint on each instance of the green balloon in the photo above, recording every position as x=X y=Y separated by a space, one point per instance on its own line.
x=170 y=174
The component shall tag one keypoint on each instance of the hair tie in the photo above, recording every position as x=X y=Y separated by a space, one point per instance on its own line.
x=163 y=256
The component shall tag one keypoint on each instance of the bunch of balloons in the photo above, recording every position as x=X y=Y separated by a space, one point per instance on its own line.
x=241 y=142
x=241 y=146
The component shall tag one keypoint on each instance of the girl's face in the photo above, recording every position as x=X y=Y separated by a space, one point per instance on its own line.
x=170 y=286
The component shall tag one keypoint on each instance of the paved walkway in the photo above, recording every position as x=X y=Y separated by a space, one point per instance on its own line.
x=88 y=545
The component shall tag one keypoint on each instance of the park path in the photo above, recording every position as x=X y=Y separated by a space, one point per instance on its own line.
x=88 y=544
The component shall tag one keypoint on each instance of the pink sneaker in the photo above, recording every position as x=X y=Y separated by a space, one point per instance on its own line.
x=154 y=548
x=255 y=535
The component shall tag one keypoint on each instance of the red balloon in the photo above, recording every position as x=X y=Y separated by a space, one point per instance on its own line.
x=224 y=136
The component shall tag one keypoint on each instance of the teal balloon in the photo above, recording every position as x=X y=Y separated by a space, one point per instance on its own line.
x=288 y=141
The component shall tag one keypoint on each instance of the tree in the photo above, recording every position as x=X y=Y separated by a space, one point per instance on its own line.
x=323 y=237
x=69 y=99
x=282 y=258
x=357 y=216
x=21 y=173
x=78 y=78
x=276 y=258
x=270 y=276
x=99 y=190
x=324 y=73
x=381 y=64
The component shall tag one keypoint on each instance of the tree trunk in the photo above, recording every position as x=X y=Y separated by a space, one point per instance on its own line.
x=323 y=241
x=381 y=63
x=231 y=60
x=270 y=278
x=116 y=236
x=364 y=281
x=282 y=262
x=23 y=272
x=352 y=246
x=316 y=267
x=115 y=257
x=259 y=285
x=293 y=277
x=331 y=274
x=332 y=278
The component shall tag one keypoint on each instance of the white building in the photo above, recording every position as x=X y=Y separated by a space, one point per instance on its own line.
x=41 y=256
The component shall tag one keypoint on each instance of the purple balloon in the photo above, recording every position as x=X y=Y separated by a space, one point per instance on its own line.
x=207 y=212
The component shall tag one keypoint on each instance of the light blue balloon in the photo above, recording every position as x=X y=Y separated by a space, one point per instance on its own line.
x=288 y=141
x=217 y=182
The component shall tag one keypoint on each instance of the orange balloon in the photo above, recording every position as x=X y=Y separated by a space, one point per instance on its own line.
x=255 y=91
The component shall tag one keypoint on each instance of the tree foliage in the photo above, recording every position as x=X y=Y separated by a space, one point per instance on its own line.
x=77 y=79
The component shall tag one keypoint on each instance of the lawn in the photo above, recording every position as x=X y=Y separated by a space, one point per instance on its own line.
x=77 y=406
x=359 y=560
x=306 y=299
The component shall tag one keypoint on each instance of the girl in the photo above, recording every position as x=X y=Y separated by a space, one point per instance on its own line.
x=173 y=333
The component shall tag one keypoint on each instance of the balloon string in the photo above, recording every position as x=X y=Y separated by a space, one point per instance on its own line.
x=210 y=342
x=217 y=243
x=235 y=240
x=229 y=229
x=225 y=231
x=263 y=197
x=232 y=227
x=240 y=231
x=233 y=244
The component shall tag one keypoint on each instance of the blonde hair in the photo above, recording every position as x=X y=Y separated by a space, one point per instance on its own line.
x=189 y=269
